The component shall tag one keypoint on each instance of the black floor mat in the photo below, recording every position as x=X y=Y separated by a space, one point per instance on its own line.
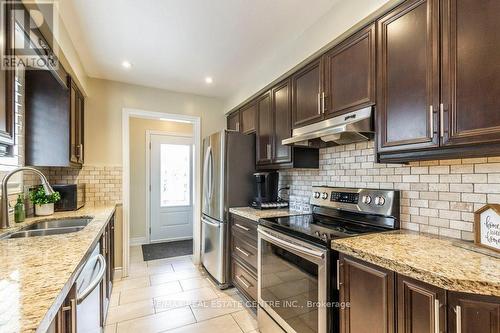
x=167 y=250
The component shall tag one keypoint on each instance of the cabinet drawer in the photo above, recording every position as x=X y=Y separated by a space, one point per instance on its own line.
x=244 y=280
x=246 y=226
x=245 y=249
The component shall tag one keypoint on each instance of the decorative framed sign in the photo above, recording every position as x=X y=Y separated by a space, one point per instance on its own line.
x=487 y=227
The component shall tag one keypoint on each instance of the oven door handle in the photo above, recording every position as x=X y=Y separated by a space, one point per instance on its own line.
x=292 y=246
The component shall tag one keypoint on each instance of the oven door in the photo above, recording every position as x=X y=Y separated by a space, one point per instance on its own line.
x=292 y=284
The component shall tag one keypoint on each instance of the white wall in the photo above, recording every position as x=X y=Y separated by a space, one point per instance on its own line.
x=317 y=38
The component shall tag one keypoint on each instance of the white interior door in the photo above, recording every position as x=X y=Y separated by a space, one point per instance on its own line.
x=171 y=184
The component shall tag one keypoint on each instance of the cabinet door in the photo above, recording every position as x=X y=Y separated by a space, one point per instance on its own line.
x=233 y=121
x=74 y=106
x=282 y=122
x=79 y=127
x=473 y=313
x=264 y=131
x=350 y=74
x=408 y=77
x=369 y=290
x=248 y=115
x=306 y=95
x=470 y=72
x=421 y=307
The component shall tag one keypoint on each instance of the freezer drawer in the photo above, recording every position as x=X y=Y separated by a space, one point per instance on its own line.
x=213 y=248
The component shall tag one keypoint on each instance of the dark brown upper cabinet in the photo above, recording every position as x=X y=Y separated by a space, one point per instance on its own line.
x=307 y=94
x=76 y=125
x=421 y=308
x=350 y=74
x=473 y=313
x=281 y=109
x=470 y=84
x=370 y=291
x=248 y=117
x=233 y=121
x=408 y=77
x=265 y=132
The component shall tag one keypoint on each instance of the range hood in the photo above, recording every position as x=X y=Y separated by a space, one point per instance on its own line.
x=348 y=128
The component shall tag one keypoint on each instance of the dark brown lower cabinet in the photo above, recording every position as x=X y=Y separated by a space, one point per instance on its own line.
x=65 y=320
x=473 y=313
x=369 y=290
x=421 y=308
x=108 y=251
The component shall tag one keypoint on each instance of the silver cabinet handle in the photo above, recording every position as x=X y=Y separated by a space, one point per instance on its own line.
x=81 y=296
x=243 y=281
x=241 y=227
x=245 y=253
x=268 y=153
x=323 y=102
x=287 y=245
x=441 y=120
x=319 y=103
x=238 y=126
x=71 y=307
x=436 y=316
x=338 y=274
x=458 y=311
x=431 y=120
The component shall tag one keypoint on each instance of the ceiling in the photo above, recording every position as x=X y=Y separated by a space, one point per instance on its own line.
x=175 y=44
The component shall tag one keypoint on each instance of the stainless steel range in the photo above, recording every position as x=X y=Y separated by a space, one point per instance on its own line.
x=297 y=269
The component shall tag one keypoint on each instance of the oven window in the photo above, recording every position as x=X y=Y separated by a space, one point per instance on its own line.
x=290 y=287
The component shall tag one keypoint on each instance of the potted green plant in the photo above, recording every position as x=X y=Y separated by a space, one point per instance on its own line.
x=44 y=204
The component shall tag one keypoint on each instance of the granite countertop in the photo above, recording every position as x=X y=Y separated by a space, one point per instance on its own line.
x=437 y=261
x=36 y=273
x=256 y=214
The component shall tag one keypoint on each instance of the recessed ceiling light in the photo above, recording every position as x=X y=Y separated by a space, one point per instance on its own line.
x=209 y=80
x=126 y=64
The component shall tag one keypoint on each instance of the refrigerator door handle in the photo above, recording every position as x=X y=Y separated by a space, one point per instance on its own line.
x=211 y=175
x=206 y=173
x=213 y=224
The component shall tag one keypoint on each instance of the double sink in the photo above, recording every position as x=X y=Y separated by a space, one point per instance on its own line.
x=50 y=227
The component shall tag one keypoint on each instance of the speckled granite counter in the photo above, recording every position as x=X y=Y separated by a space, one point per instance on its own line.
x=36 y=273
x=256 y=214
x=427 y=258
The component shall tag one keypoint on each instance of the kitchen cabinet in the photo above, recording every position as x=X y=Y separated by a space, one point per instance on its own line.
x=437 y=86
x=233 y=121
x=9 y=90
x=76 y=117
x=108 y=252
x=421 y=308
x=65 y=319
x=248 y=118
x=408 y=77
x=265 y=130
x=473 y=313
x=370 y=292
x=350 y=74
x=307 y=96
x=281 y=106
x=244 y=256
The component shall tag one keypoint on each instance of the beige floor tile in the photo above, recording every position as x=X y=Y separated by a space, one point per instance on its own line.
x=115 y=298
x=160 y=269
x=174 y=276
x=131 y=283
x=216 y=307
x=110 y=328
x=158 y=322
x=169 y=260
x=183 y=299
x=129 y=311
x=195 y=283
x=246 y=320
x=224 y=324
x=140 y=294
x=180 y=266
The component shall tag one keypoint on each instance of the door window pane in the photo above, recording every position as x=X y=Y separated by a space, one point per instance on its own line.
x=175 y=169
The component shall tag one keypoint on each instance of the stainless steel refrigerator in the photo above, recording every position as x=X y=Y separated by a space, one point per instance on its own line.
x=228 y=165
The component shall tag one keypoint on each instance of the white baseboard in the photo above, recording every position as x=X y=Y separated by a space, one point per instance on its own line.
x=138 y=241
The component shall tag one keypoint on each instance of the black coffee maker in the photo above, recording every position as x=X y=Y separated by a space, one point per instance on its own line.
x=266 y=191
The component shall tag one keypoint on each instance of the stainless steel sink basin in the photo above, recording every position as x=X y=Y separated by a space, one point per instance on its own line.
x=62 y=223
x=43 y=232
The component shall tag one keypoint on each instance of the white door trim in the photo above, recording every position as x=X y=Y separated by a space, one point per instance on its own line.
x=127 y=113
x=148 y=175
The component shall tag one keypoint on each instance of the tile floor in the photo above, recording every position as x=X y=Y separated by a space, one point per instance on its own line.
x=173 y=295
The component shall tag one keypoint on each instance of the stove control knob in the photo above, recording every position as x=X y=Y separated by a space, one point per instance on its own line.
x=366 y=199
x=317 y=234
x=317 y=195
x=324 y=196
x=324 y=237
x=379 y=201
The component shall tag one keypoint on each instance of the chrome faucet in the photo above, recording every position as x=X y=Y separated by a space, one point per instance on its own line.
x=4 y=206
